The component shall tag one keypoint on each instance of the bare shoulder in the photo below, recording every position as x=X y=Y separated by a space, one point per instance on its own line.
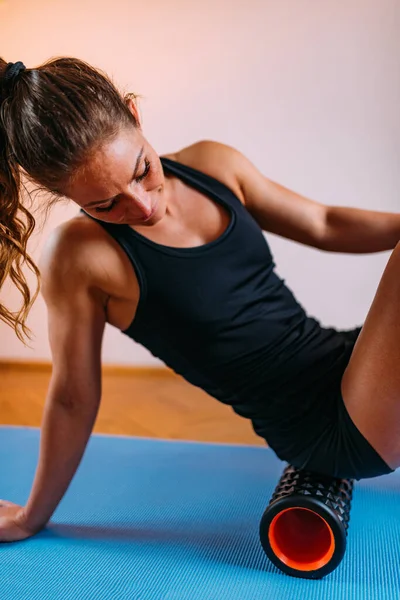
x=68 y=246
x=218 y=160
x=80 y=253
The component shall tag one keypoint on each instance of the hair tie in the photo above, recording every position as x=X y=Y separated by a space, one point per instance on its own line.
x=12 y=71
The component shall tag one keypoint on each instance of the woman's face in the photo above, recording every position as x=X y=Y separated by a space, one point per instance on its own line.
x=123 y=182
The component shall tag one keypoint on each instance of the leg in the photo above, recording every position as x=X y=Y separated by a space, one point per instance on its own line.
x=371 y=382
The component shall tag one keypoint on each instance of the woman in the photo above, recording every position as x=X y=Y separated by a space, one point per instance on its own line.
x=170 y=250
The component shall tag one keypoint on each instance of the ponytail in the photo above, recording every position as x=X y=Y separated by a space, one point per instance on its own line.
x=16 y=226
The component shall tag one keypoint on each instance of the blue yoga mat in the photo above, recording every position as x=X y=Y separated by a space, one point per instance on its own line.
x=166 y=520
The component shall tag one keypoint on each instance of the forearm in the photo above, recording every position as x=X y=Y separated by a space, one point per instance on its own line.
x=355 y=230
x=65 y=434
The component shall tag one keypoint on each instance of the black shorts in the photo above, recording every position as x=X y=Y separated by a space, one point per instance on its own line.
x=321 y=436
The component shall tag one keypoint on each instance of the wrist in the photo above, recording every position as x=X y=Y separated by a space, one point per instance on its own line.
x=27 y=522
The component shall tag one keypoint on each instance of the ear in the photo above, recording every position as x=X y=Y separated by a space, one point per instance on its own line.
x=134 y=110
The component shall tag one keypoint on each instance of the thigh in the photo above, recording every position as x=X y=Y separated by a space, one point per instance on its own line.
x=371 y=382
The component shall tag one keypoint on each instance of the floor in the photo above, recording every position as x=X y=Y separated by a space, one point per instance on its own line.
x=148 y=402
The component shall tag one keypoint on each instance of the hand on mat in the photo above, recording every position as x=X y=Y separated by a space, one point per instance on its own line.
x=12 y=528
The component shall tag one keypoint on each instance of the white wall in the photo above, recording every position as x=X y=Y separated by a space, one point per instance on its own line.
x=309 y=90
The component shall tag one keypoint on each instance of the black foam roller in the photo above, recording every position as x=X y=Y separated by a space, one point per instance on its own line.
x=304 y=528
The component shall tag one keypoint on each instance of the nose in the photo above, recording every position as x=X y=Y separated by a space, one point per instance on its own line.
x=142 y=204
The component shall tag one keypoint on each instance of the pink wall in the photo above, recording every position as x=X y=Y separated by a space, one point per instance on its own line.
x=308 y=90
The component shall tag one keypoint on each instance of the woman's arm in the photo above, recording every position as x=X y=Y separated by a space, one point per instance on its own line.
x=76 y=318
x=330 y=228
x=359 y=231
x=288 y=214
x=64 y=436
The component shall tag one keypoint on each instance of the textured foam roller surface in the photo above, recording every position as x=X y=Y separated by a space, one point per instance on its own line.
x=164 y=520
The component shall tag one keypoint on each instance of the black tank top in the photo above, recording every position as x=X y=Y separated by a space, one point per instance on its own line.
x=219 y=315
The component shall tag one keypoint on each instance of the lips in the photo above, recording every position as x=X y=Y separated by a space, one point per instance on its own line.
x=152 y=213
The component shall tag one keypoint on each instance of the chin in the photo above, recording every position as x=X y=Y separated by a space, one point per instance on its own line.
x=156 y=217
x=135 y=223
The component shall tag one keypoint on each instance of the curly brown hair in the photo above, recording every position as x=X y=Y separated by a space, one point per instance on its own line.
x=52 y=118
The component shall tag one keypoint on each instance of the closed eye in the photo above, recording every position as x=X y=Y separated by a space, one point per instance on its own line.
x=114 y=201
x=145 y=172
x=106 y=208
